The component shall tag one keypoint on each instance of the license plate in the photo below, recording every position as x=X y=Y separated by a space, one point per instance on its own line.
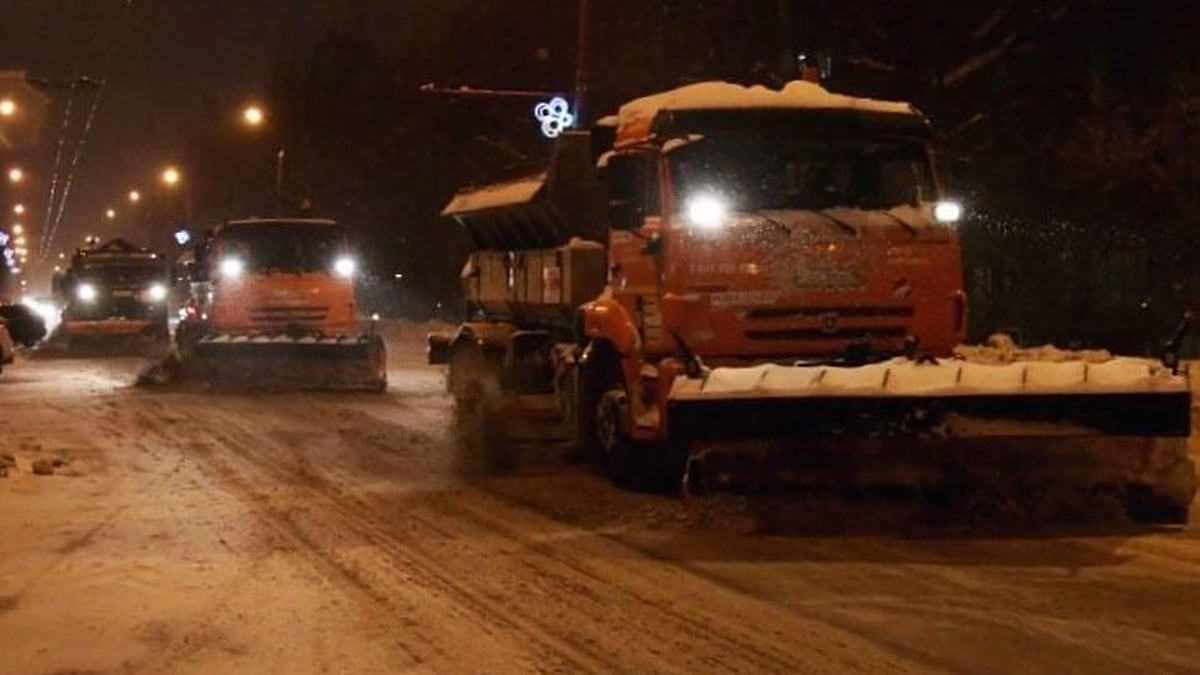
x=122 y=294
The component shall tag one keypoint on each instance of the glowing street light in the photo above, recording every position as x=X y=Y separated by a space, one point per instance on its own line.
x=8 y=107
x=110 y=213
x=18 y=229
x=16 y=175
x=171 y=176
x=134 y=196
x=253 y=116
x=19 y=209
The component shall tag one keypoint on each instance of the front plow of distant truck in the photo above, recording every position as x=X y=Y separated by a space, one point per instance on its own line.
x=281 y=361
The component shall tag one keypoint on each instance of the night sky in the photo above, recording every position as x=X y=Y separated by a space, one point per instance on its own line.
x=160 y=60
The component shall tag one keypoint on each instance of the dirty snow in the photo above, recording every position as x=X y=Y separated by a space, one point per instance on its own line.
x=215 y=534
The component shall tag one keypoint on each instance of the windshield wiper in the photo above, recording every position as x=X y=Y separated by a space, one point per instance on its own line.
x=907 y=225
x=773 y=221
x=850 y=229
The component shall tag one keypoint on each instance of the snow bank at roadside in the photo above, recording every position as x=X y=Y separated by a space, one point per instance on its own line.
x=1001 y=348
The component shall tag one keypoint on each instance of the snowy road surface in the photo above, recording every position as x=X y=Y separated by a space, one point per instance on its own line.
x=195 y=533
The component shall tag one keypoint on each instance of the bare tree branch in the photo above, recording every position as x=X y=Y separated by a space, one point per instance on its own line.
x=981 y=60
x=993 y=20
x=871 y=62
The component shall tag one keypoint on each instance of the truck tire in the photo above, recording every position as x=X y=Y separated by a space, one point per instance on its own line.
x=615 y=447
x=597 y=372
x=605 y=424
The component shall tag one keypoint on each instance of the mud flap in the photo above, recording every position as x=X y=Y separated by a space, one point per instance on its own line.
x=113 y=338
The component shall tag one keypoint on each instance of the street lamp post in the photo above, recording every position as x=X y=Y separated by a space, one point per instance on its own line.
x=581 y=64
x=254 y=117
x=172 y=178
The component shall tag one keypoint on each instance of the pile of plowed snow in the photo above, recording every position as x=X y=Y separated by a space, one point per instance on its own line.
x=1000 y=348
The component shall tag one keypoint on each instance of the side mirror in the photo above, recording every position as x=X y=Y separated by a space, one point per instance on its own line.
x=626 y=176
x=625 y=215
x=653 y=246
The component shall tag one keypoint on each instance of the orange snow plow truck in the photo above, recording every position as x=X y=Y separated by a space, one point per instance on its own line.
x=750 y=286
x=272 y=305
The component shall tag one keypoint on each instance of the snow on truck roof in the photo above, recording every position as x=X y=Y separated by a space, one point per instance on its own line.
x=508 y=193
x=717 y=95
x=636 y=117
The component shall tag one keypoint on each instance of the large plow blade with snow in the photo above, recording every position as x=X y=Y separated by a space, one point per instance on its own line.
x=1119 y=427
x=281 y=361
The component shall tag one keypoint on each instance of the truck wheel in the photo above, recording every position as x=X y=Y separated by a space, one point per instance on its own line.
x=610 y=430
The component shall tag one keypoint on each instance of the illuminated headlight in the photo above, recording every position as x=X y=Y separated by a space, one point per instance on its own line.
x=707 y=211
x=157 y=293
x=947 y=212
x=232 y=268
x=86 y=292
x=345 y=266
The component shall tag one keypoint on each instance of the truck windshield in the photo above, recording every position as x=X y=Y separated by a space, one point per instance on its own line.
x=283 y=247
x=755 y=173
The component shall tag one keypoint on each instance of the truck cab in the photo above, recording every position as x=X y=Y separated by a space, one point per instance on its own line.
x=796 y=230
x=114 y=290
x=275 y=275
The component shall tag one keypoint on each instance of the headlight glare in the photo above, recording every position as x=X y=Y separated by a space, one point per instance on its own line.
x=345 y=266
x=232 y=268
x=158 y=293
x=86 y=292
x=707 y=211
x=947 y=212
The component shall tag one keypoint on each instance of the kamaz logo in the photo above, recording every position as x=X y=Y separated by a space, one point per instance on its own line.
x=829 y=322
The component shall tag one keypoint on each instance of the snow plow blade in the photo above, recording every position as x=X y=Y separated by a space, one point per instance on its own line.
x=105 y=338
x=261 y=361
x=1120 y=424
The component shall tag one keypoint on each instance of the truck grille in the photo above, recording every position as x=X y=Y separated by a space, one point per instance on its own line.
x=286 y=315
x=109 y=307
x=848 y=332
x=828 y=323
x=857 y=311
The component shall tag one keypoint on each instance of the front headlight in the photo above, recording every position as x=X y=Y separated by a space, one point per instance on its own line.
x=947 y=212
x=707 y=211
x=231 y=267
x=345 y=266
x=86 y=292
x=157 y=293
